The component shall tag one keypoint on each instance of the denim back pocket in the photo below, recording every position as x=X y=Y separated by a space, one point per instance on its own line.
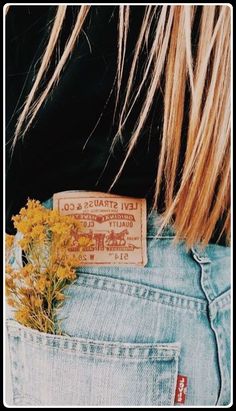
x=59 y=370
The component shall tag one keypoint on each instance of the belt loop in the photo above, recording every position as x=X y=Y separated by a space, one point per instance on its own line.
x=200 y=255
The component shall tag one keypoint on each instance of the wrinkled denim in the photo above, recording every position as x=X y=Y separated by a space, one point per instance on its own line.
x=131 y=331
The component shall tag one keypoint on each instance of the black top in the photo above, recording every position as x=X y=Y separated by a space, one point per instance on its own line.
x=68 y=146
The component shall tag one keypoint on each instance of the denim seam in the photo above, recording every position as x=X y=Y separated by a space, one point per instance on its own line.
x=205 y=266
x=220 y=303
x=15 y=373
x=206 y=284
x=88 y=277
x=171 y=352
x=213 y=310
x=125 y=356
x=11 y=360
x=138 y=356
x=78 y=345
x=223 y=388
x=149 y=299
x=31 y=336
x=171 y=385
x=174 y=375
x=111 y=356
x=198 y=306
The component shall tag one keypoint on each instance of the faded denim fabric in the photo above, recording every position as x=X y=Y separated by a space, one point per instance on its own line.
x=131 y=331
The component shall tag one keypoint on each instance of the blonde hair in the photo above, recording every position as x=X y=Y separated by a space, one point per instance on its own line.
x=203 y=194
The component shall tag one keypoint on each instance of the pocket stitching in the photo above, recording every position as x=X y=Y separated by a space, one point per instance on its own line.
x=75 y=344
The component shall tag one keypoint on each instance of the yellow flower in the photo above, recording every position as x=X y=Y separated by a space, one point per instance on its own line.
x=16 y=218
x=62 y=273
x=38 y=302
x=84 y=241
x=10 y=283
x=8 y=292
x=46 y=238
x=23 y=226
x=27 y=270
x=70 y=261
x=11 y=302
x=29 y=282
x=25 y=291
x=40 y=285
x=25 y=300
x=9 y=240
x=24 y=243
x=59 y=296
x=32 y=299
x=71 y=274
x=9 y=269
x=38 y=232
x=23 y=315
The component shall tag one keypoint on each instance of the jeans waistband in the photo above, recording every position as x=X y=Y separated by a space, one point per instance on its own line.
x=173 y=267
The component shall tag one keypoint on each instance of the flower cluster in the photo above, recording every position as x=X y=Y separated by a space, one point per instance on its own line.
x=36 y=289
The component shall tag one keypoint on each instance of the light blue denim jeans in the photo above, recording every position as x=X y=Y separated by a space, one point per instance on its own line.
x=132 y=331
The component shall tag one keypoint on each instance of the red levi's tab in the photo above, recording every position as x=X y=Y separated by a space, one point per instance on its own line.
x=181 y=389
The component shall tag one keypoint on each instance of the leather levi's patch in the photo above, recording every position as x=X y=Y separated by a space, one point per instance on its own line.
x=115 y=227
